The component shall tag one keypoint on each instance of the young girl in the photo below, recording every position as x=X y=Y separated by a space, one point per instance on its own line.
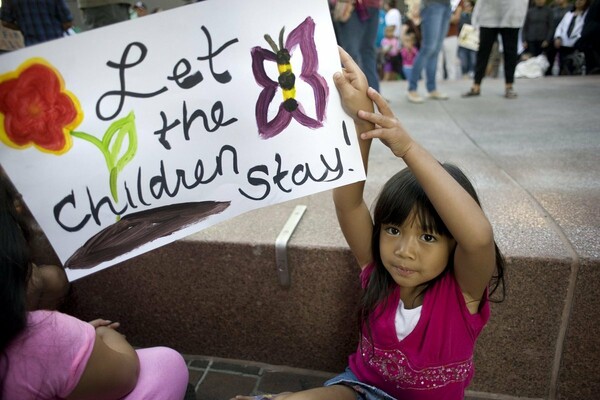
x=408 y=52
x=48 y=285
x=427 y=257
x=390 y=49
x=50 y=355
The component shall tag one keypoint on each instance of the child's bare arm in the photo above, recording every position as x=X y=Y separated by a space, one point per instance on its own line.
x=352 y=212
x=475 y=252
x=112 y=369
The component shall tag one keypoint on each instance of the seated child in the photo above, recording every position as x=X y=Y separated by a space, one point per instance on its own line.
x=428 y=266
x=50 y=355
x=390 y=47
x=48 y=285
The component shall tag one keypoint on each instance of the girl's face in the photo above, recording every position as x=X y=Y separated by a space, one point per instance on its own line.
x=411 y=255
x=389 y=32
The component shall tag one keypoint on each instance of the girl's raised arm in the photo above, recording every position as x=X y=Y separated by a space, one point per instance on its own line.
x=475 y=257
x=352 y=212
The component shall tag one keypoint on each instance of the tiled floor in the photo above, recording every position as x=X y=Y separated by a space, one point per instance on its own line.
x=221 y=379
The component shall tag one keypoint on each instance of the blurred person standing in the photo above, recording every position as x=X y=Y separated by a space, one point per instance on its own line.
x=493 y=17
x=358 y=34
x=99 y=13
x=38 y=20
x=448 y=62
x=468 y=57
x=538 y=29
x=435 y=19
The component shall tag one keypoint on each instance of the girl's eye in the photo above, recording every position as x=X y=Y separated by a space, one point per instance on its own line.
x=428 y=238
x=392 y=230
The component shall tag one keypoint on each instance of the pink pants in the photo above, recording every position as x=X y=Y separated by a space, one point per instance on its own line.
x=163 y=375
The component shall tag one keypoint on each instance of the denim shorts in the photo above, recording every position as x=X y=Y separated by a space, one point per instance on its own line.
x=363 y=391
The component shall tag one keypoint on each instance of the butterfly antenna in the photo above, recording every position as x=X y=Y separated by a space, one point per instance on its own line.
x=271 y=43
x=281 y=38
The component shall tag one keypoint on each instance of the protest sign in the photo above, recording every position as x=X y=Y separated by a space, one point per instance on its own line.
x=126 y=138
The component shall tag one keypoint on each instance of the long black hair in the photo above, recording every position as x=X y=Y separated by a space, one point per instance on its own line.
x=14 y=275
x=401 y=195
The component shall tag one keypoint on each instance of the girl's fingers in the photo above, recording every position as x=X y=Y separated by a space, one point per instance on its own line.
x=347 y=61
x=97 y=321
x=380 y=102
x=378 y=119
x=114 y=325
x=376 y=133
x=104 y=322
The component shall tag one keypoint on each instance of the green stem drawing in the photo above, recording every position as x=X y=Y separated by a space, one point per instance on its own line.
x=111 y=144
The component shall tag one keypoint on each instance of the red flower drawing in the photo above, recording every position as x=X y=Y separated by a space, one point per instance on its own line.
x=35 y=109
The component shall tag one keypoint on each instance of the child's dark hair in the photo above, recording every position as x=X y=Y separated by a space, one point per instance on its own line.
x=14 y=275
x=400 y=195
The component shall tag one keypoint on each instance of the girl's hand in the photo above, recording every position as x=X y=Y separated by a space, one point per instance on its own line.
x=387 y=127
x=104 y=322
x=352 y=85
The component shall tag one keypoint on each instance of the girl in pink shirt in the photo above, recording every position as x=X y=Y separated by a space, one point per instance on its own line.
x=427 y=257
x=48 y=355
x=409 y=52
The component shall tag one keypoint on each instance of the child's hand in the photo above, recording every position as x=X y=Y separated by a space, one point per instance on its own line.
x=104 y=322
x=352 y=85
x=387 y=127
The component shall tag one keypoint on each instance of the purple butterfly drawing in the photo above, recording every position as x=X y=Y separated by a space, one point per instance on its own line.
x=303 y=37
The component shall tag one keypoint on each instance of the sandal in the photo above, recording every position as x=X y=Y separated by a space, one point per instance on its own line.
x=510 y=93
x=471 y=93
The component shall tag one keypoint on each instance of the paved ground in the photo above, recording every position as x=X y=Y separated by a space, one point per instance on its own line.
x=541 y=149
x=221 y=379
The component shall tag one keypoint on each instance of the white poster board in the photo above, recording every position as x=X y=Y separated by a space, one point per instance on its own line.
x=126 y=138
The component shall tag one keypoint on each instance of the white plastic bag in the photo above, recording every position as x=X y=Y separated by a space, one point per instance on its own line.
x=533 y=67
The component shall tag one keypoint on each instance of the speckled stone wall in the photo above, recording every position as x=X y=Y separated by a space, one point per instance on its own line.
x=226 y=301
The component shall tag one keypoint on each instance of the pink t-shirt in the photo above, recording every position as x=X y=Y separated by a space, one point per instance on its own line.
x=47 y=361
x=435 y=361
x=408 y=56
x=393 y=44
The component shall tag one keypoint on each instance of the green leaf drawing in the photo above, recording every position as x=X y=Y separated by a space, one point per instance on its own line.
x=111 y=147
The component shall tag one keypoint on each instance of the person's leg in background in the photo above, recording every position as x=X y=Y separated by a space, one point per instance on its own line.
x=425 y=50
x=464 y=61
x=367 y=47
x=358 y=39
x=453 y=57
x=450 y=57
x=467 y=61
x=348 y=33
x=472 y=62
x=510 y=42
x=487 y=37
x=435 y=19
x=551 y=55
x=441 y=21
